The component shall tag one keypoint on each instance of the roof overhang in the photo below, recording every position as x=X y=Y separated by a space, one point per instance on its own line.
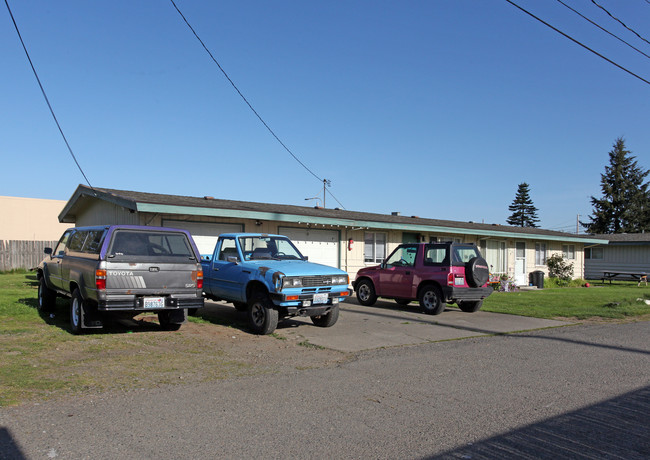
x=336 y=222
x=82 y=198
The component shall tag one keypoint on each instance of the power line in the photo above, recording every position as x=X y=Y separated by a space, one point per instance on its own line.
x=45 y=96
x=246 y=100
x=578 y=43
x=603 y=29
x=619 y=21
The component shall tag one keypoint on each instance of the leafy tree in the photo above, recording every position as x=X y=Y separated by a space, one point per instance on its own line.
x=625 y=204
x=524 y=213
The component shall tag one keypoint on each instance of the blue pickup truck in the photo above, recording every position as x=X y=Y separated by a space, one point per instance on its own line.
x=266 y=276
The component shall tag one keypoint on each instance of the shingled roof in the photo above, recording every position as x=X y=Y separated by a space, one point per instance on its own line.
x=147 y=202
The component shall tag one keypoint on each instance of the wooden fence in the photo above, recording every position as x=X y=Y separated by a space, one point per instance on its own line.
x=16 y=254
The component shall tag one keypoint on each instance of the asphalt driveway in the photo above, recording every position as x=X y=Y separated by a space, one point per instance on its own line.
x=386 y=324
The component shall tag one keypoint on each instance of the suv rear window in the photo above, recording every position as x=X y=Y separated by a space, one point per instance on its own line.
x=463 y=254
x=129 y=243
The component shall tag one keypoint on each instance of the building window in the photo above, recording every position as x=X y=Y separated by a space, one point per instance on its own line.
x=569 y=251
x=594 y=253
x=374 y=250
x=540 y=253
x=495 y=255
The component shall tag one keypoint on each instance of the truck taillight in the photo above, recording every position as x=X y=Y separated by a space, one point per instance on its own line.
x=450 y=279
x=100 y=279
x=199 y=279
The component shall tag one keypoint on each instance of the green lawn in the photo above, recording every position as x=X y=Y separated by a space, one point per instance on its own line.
x=40 y=358
x=615 y=301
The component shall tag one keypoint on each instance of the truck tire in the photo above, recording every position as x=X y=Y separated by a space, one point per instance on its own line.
x=366 y=293
x=46 y=297
x=328 y=319
x=165 y=320
x=470 y=306
x=431 y=300
x=76 y=312
x=477 y=272
x=262 y=315
x=240 y=306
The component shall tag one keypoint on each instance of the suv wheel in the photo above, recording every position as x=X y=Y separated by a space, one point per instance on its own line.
x=366 y=293
x=262 y=315
x=470 y=306
x=431 y=300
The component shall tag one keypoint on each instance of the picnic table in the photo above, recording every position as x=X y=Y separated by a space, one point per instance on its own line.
x=636 y=276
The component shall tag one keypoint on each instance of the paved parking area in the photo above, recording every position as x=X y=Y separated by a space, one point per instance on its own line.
x=387 y=325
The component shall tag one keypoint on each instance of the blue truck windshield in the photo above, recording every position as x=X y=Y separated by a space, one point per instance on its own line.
x=268 y=247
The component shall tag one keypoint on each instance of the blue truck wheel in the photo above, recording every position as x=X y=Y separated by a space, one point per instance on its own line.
x=262 y=315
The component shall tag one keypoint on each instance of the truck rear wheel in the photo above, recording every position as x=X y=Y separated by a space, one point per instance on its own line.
x=46 y=297
x=262 y=315
x=366 y=293
x=76 y=312
x=328 y=319
x=171 y=320
x=431 y=300
x=470 y=306
x=240 y=306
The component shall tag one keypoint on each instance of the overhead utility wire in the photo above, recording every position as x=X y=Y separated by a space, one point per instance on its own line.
x=45 y=96
x=619 y=21
x=577 y=42
x=246 y=100
x=603 y=29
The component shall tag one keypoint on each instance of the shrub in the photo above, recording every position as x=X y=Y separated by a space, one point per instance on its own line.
x=559 y=268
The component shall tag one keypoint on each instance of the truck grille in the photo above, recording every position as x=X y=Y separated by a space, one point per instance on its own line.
x=317 y=281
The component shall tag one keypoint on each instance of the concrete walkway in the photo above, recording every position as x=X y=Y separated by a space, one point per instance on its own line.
x=386 y=324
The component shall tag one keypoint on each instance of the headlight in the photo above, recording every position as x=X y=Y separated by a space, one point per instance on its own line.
x=291 y=282
x=340 y=280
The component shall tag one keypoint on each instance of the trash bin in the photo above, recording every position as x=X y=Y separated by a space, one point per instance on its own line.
x=537 y=279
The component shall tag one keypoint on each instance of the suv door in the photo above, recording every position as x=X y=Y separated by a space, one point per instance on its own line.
x=396 y=274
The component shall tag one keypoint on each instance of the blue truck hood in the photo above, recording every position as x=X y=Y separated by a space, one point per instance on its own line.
x=295 y=267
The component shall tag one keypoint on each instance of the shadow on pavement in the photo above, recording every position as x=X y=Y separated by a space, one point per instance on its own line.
x=616 y=428
x=8 y=447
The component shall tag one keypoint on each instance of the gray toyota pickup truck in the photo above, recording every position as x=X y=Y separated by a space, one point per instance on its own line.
x=122 y=270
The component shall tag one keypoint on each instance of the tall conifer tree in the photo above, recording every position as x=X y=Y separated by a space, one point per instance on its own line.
x=625 y=204
x=524 y=213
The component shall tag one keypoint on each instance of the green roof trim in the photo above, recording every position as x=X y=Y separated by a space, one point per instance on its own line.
x=293 y=218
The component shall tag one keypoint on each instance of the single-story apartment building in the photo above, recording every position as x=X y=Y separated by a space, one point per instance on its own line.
x=625 y=252
x=349 y=240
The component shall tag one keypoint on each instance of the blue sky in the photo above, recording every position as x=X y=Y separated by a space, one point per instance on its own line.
x=431 y=108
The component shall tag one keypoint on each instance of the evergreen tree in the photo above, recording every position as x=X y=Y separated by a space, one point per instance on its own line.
x=524 y=213
x=625 y=204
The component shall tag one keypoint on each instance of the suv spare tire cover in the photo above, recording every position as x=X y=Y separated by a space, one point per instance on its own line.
x=477 y=272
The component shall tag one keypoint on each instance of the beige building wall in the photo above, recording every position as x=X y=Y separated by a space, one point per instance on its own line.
x=30 y=219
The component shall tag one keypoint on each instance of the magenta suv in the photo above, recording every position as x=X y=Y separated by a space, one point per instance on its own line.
x=435 y=274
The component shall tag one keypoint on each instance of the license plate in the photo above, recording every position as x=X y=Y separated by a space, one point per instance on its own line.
x=154 y=302
x=459 y=281
x=320 y=298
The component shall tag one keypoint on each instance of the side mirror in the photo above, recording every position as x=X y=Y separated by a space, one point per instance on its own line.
x=48 y=251
x=232 y=259
x=382 y=265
